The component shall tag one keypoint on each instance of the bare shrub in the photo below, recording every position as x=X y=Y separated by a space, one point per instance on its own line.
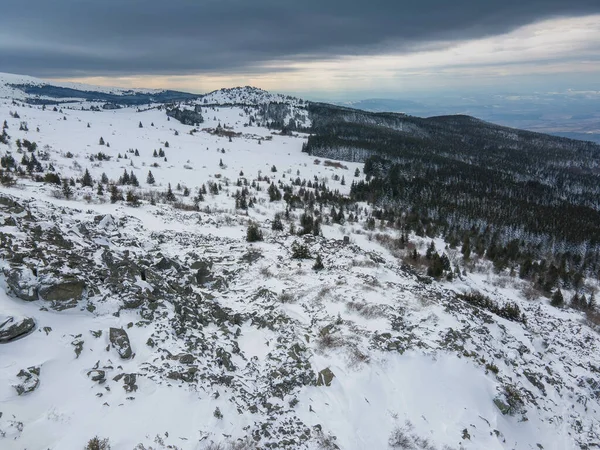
x=366 y=310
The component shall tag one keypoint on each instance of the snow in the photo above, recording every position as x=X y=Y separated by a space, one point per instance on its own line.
x=387 y=373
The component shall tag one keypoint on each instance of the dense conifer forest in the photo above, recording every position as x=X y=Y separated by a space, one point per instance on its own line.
x=526 y=201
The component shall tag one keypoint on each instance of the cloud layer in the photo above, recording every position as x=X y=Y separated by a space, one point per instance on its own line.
x=79 y=38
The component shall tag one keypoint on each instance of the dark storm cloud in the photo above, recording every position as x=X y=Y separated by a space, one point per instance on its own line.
x=120 y=37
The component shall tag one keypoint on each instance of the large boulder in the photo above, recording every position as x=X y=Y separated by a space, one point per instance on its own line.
x=12 y=328
x=63 y=291
x=22 y=282
x=120 y=341
x=29 y=380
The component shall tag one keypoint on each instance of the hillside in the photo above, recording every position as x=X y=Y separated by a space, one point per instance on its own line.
x=160 y=286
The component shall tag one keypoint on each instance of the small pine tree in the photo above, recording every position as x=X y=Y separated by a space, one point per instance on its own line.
x=557 y=299
x=115 y=194
x=357 y=172
x=273 y=168
x=155 y=155
x=253 y=233
x=100 y=190
x=137 y=153
x=101 y=142
x=87 y=179
x=140 y=125
x=150 y=178
x=104 y=178
x=166 y=144
x=132 y=199
x=169 y=195
x=318 y=264
x=133 y=179
x=66 y=189
x=277 y=224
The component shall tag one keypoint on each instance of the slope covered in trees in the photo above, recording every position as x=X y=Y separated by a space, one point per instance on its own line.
x=514 y=196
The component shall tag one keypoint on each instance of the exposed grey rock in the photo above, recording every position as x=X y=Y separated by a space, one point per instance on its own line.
x=325 y=377
x=22 y=282
x=13 y=328
x=29 y=380
x=97 y=375
x=120 y=341
x=63 y=291
x=186 y=359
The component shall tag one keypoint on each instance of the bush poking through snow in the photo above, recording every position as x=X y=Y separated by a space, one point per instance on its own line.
x=300 y=251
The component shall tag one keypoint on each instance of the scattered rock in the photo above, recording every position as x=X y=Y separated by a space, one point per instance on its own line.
x=120 y=341
x=97 y=375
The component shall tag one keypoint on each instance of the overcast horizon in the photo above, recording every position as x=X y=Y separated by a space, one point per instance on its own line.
x=327 y=51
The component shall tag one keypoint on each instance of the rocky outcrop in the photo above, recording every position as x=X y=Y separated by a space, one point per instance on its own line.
x=22 y=283
x=12 y=328
x=120 y=341
x=63 y=291
x=30 y=380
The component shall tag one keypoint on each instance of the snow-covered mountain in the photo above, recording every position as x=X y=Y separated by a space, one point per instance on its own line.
x=134 y=308
x=247 y=95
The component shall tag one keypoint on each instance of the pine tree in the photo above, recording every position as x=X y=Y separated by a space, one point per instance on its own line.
x=140 y=125
x=150 y=178
x=104 y=178
x=253 y=233
x=557 y=299
x=101 y=142
x=466 y=248
x=124 y=178
x=115 y=194
x=66 y=189
x=318 y=264
x=169 y=195
x=155 y=155
x=277 y=224
x=100 y=190
x=87 y=179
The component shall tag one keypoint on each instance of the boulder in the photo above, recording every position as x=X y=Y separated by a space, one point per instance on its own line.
x=12 y=328
x=22 y=282
x=63 y=291
x=120 y=341
x=29 y=380
x=187 y=359
x=97 y=375
x=325 y=377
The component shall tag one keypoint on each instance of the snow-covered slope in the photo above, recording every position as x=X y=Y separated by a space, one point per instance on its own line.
x=155 y=324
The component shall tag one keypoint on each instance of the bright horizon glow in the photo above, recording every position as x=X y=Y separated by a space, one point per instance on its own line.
x=560 y=49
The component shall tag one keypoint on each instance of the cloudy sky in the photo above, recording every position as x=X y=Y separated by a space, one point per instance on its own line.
x=332 y=48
